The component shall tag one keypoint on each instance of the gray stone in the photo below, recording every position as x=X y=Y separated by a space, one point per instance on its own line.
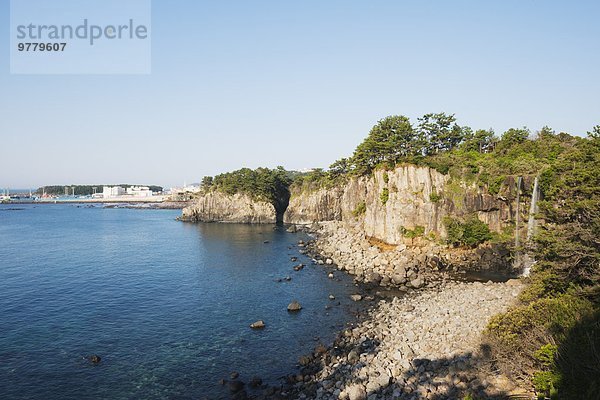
x=260 y=324
x=356 y=392
x=294 y=306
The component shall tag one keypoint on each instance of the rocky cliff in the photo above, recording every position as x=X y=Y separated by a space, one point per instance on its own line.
x=388 y=204
x=215 y=206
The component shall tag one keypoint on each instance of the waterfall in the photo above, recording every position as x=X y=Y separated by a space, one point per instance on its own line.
x=517 y=260
x=533 y=209
x=527 y=260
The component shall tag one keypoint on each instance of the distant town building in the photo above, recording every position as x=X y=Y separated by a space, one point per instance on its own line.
x=185 y=192
x=112 y=191
x=139 y=191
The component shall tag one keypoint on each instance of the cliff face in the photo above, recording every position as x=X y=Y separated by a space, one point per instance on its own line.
x=219 y=207
x=388 y=203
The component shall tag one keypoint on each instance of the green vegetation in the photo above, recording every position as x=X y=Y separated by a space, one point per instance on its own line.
x=468 y=233
x=553 y=335
x=386 y=177
x=270 y=185
x=434 y=197
x=385 y=195
x=360 y=209
x=418 y=231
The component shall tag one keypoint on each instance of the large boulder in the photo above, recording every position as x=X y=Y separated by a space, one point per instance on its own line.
x=356 y=392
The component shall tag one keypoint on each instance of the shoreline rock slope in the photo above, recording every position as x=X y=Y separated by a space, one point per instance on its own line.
x=425 y=345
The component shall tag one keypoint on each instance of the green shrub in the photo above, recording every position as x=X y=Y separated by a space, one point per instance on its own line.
x=495 y=184
x=545 y=355
x=418 y=231
x=360 y=209
x=546 y=384
x=434 y=197
x=385 y=195
x=469 y=233
x=556 y=316
x=386 y=177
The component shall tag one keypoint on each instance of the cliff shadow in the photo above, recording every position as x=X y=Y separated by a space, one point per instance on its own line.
x=578 y=361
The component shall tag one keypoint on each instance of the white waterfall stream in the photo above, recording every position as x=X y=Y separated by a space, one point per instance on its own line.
x=527 y=260
x=517 y=259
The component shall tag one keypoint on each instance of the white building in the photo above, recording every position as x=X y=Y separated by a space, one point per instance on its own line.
x=139 y=191
x=112 y=191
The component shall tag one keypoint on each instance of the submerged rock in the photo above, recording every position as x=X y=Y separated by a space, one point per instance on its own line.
x=235 y=386
x=294 y=306
x=255 y=382
x=95 y=359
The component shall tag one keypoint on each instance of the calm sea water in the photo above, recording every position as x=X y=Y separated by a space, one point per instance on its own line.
x=167 y=305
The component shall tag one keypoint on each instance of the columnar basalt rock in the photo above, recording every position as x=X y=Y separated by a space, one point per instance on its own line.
x=416 y=197
x=215 y=206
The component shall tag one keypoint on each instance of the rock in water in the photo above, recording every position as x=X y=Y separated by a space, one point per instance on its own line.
x=235 y=386
x=255 y=382
x=294 y=306
x=95 y=359
x=356 y=297
x=292 y=229
x=304 y=360
x=260 y=324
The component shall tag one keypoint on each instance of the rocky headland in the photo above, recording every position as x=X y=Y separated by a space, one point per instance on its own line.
x=214 y=206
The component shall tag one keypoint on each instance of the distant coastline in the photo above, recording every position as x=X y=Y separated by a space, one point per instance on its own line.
x=154 y=203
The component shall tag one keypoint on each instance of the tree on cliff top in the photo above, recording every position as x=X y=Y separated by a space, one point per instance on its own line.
x=440 y=132
x=390 y=140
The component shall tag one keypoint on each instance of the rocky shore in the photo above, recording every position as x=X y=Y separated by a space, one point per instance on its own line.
x=416 y=264
x=425 y=344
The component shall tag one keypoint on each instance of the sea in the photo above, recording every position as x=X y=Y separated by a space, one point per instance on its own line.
x=165 y=304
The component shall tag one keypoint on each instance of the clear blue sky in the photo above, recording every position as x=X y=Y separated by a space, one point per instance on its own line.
x=298 y=84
